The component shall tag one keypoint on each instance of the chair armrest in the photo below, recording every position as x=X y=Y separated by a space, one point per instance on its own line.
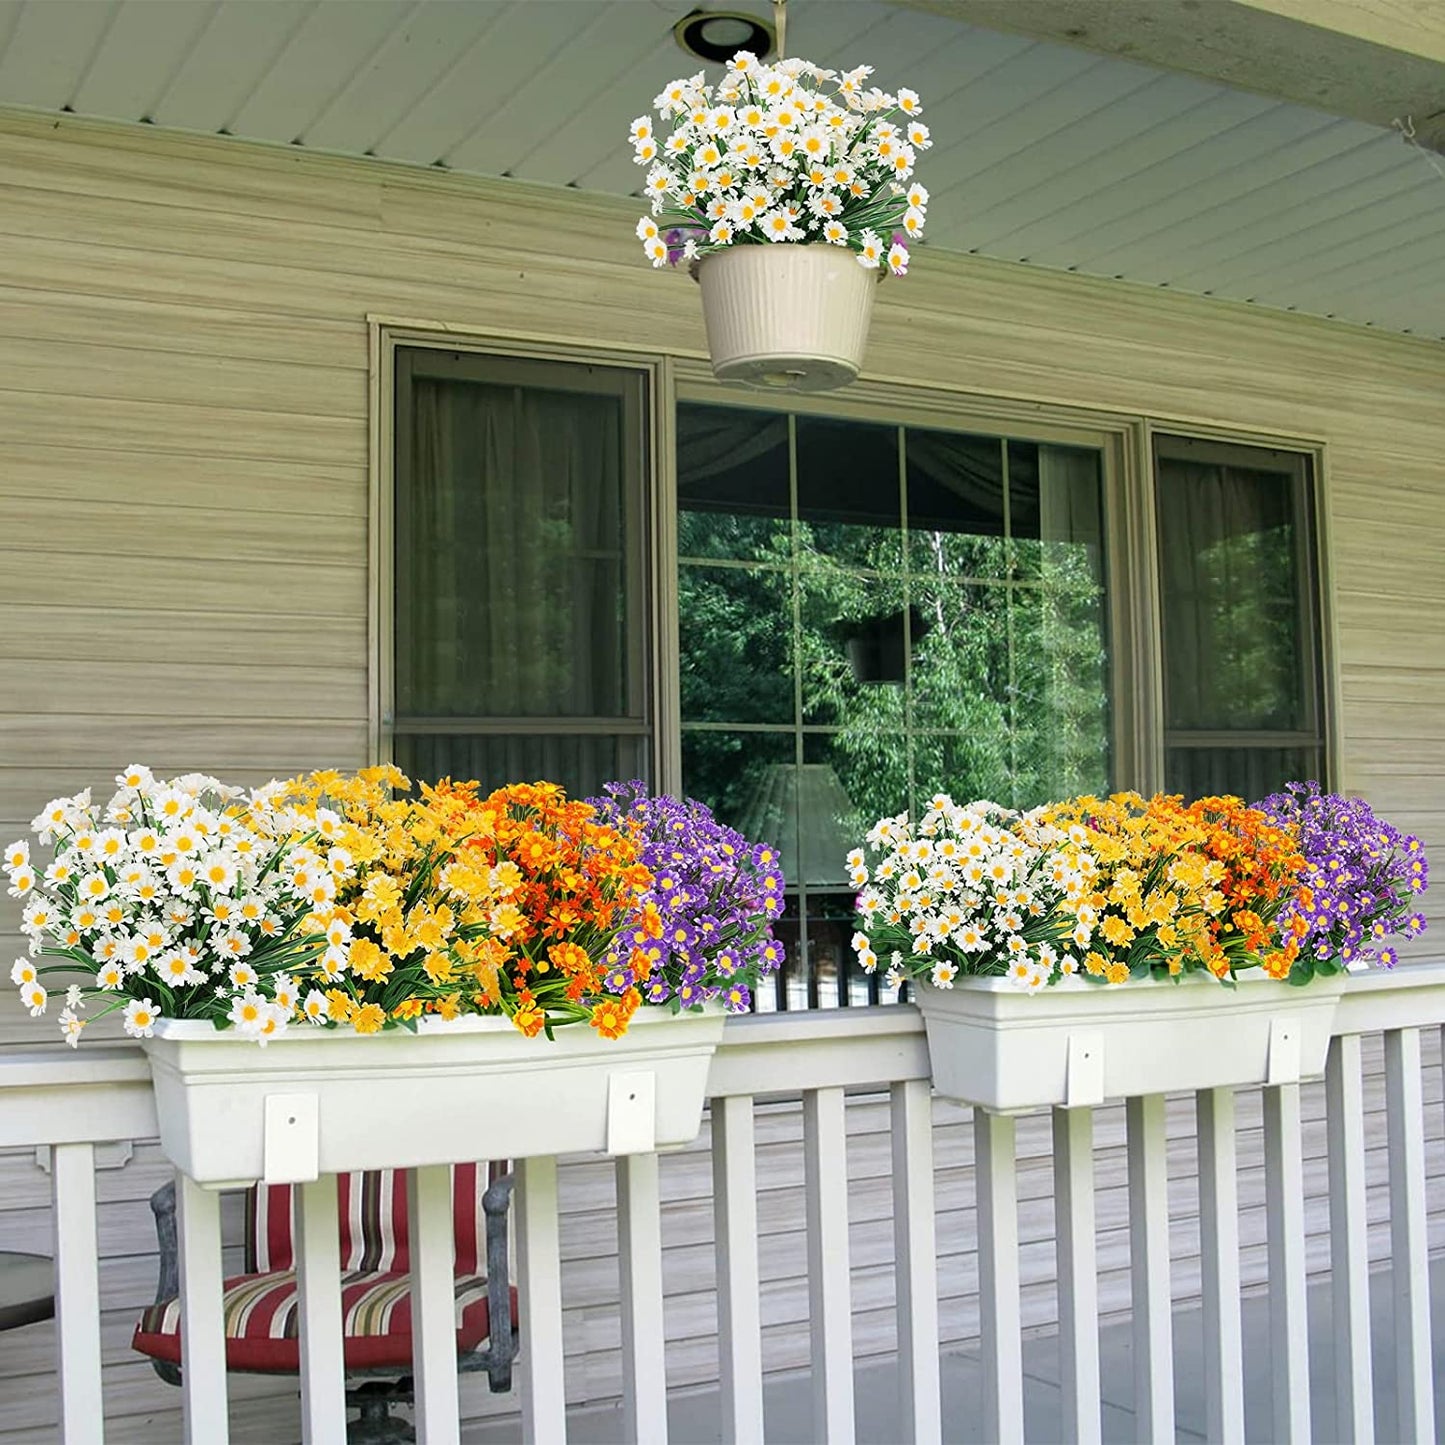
x=163 y=1206
x=502 y=1348
x=168 y=1280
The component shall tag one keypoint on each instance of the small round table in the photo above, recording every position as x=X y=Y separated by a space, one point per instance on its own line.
x=27 y=1289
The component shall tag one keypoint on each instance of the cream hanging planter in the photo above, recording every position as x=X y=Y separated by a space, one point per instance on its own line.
x=789 y=317
x=789 y=190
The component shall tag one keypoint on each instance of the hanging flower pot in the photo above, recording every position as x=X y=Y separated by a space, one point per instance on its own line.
x=789 y=189
x=792 y=317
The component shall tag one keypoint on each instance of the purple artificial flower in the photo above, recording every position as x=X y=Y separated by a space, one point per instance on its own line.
x=1359 y=872
x=715 y=892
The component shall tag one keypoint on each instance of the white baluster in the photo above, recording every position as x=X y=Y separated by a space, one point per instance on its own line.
x=1349 y=1245
x=1074 y=1231
x=433 y=1304
x=318 y=1280
x=735 y=1217
x=1219 y=1261
x=1288 y=1313
x=830 y=1307
x=916 y=1263
x=539 y=1286
x=203 y=1338
x=998 y=1277
x=1409 y=1252
x=77 y=1294
x=1149 y=1271
x=644 y=1342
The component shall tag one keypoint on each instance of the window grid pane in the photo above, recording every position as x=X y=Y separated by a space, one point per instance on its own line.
x=520 y=634
x=907 y=630
x=1239 y=605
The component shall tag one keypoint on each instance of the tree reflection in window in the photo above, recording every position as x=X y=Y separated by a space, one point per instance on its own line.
x=870 y=614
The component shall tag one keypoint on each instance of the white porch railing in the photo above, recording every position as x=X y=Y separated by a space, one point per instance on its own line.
x=72 y=1101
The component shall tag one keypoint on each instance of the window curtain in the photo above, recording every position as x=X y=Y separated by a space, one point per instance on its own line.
x=716 y=450
x=1230 y=598
x=1069 y=510
x=510 y=555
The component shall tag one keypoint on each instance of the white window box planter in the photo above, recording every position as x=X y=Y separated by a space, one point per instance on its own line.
x=1077 y=1044
x=319 y=1102
x=790 y=317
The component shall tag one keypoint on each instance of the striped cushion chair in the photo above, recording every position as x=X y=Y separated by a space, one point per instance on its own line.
x=260 y=1304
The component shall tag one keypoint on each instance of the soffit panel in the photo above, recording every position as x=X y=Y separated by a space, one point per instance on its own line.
x=1049 y=154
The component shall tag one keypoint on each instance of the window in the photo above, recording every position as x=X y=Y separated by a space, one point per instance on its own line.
x=1239 y=605
x=520 y=633
x=868 y=611
x=869 y=614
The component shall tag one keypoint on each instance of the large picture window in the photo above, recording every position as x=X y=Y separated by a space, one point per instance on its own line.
x=869 y=609
x=870 y=614
x=520 y=634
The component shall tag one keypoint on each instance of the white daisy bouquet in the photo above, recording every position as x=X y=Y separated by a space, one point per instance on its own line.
x=786 y=152
x=184 y=899
x=973 y=889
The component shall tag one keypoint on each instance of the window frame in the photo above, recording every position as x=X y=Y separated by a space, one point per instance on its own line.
x=645 y=543
x=1117 y=438
x=1308 y=460
x=1130 y=525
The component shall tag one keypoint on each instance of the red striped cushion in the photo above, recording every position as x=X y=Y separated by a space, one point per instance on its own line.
x=261 y=1321
x=374 y=1230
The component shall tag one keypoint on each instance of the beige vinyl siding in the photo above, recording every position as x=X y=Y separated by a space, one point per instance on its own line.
x=184 y=475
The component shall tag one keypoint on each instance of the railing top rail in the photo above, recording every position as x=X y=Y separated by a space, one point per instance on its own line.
x=68 y=1068
x=56 y=1095
x=1412 y=994
x=828 y=1048
x=75 y=1096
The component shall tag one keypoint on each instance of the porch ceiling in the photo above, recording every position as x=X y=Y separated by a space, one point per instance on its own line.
x=1049 y=154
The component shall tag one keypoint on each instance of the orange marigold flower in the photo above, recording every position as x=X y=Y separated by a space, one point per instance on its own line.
x=529 y=1019
x=1277 y=965
x=569 y=957
x=610 y=1018
x=408 y=1008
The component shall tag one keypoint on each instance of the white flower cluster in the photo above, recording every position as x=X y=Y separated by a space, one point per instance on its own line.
x=184 y=889
x=768 y=155
x=974 y=888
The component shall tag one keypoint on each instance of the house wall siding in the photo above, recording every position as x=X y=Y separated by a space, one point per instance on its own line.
x=184 y=492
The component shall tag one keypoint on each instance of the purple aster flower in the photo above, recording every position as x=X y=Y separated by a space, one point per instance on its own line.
x=680 y=935
x=1359 y=872
x=737 y=999
x=716 y=891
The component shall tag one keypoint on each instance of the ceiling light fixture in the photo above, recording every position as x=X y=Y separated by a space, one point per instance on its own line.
x=717 y=35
